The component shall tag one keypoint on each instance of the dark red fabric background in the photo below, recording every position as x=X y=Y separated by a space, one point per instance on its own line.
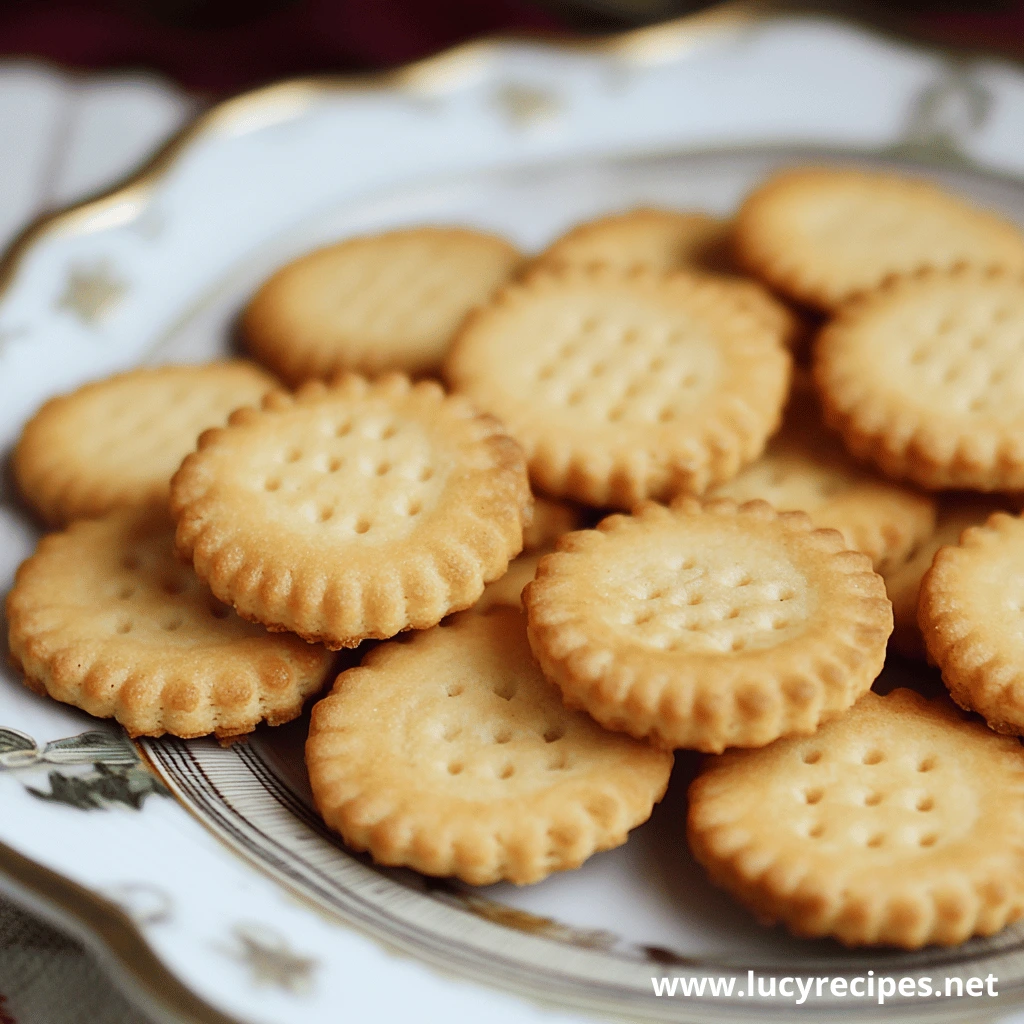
x=219 y=46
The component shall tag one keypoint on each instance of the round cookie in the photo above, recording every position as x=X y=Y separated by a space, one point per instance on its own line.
x=969 y=612
x=353 y=510
x=626 y=386
x=708 y=626
x=450 y=753
x=805 y=468
x=105 y=617
x=384 y=302
x=903 y=577
x=899 y=824
x=822 y=235
x=926 y=378
x=645 y=238
x=118 y=441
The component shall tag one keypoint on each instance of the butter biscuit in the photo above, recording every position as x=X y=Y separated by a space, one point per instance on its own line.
x=970 y=611
x=383 y=302
x=823 y=235
x=450 y=753
x=899 y=824
x=708 y=625
x=118 y=441
x=925 y=378
x=805 y=468
x=646 y=238
x=352 y=510
x=903 y=578
x=626 y=386
x=104 y=616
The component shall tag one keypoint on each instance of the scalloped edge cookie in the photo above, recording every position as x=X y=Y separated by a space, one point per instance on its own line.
x=708 y=700
x=768 y=241
x=288 y=324
x=937 y=448
x=226 y=682
x=858 y=889
x=281 y=574
x=449 y=753
x=981 y=658
x=607 y=459
x=647 y=237
x=56 y=464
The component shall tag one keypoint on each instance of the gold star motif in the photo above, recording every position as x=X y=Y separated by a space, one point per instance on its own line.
x=92 y=292
x=526 y=106
x=272 y=961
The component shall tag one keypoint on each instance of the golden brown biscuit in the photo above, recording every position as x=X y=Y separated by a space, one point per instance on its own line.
x=105 y=617
x=805 y=468
x=450 y=753
x=823 y=235
x=353 y=510
x=645 y=238
x=385 y=302
x=621 y=387
x=899 y=824
x=926 y=379
x=708 y=626
x=969 y=612
x=118 y=441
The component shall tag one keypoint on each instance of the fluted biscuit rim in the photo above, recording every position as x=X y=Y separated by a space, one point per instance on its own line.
x=644 y=460
x=110 y=682
x=521 y=838
x=887 y=909
x=924 y=450
x=415 y=587
x=60 y=495
x=757 y=246
x=679 y=703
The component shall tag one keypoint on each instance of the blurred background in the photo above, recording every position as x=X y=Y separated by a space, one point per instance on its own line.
x=215 y=47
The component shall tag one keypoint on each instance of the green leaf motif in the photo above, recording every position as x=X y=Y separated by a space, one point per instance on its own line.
x=105 y=785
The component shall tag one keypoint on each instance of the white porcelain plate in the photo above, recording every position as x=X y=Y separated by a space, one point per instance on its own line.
x=202 y=874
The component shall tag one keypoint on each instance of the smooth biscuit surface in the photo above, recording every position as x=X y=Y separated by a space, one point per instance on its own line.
x=621 y=387
x=926 y=379
x=805 y=468
x=969 y=612
x=353 y=510
x=823 y=235
x=385 y=302
x=708 y=626
x=899 y=824
x=104 y=616
x=118 y=441
x=450 y=753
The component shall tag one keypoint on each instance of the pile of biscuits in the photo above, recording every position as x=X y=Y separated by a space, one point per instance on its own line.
x=681 y=477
